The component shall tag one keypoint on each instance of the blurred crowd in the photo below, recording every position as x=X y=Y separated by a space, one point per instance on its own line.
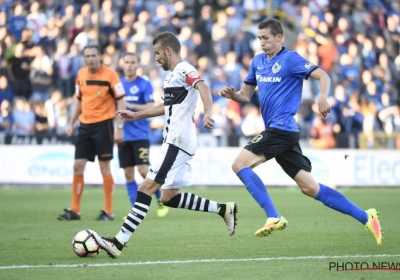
x=355 y=41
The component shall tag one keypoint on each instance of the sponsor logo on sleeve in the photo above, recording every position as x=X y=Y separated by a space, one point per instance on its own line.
x=308 y=65
x=119 y=89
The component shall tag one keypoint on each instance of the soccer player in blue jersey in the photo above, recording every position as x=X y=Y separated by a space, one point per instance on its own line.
x=279 y=74
x=134 y=150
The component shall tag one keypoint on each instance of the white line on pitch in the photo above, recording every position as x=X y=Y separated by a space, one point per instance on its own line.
x=198 y=261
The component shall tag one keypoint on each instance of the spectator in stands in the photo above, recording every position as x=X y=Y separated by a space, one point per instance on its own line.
x=351 y=122
x=255 y=9
x=135 y=5
x=44 y=39
x=27 y=41
x=162 y=20
x=42 y=127
x=67 y=21
x=88 y=36
x=16 y=22
x=388 y=67
x=6 y=117
x=4 y=7
x=24 y=117
x=186 y=37
x=41 y=76
x=232 y=69
x=354 y=54
x=359 y=17
x=242 y=44
x=252 y=122
x=6 y=92
x=371 y=94
x=52 y=107
x=371 y=123
x=35 y=20
x=327 y=53
x=76 y=60
x=221 y=40
x=322 y=133
x=7 y=50
x=388 y=114
x=86 y=12
x=218 y=81
x=182 y=14
x=62 y=69
x=19 y=70
x=221 y=123
x=349 y=72
x=234 y=22
x=233 y=113
x=76 y=28
x=368 y=54
x=204 y=25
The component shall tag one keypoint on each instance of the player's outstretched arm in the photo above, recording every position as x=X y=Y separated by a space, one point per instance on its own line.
x=242 y=96
x=140 y=107
x=205 y=95
x=324 y=86
x=127 y=115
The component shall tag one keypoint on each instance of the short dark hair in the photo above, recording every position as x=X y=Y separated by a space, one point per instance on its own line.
x=132 y=54
x=274 y=25
x=97 y=47
x=168 y=39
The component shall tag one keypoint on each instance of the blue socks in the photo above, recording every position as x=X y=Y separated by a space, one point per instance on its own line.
x=258 y=191
x=158 y=194
x=132 y=188
x=335 y=200
x=329 y=197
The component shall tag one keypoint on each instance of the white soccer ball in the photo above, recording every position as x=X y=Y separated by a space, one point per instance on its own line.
x=84 y=245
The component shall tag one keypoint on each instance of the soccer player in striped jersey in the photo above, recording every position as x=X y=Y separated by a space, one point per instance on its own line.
x=135 y=149
x=172 y=170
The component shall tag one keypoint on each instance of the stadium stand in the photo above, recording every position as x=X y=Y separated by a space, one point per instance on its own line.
x=357 y=42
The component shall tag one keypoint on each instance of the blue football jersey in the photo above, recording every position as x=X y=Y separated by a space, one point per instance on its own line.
x=280 y=86
x=138 y=92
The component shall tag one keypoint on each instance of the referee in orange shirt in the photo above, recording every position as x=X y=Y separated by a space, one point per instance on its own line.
x=98 y=91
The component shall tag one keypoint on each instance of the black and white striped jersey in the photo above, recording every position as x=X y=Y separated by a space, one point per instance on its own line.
x=180 y=99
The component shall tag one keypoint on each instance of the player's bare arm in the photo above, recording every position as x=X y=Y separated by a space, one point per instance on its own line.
x=127 y=115
x=205 y=95
x=139 y=107
x=119 y=132
x=75 y=115
x=242 y=96
x=324 y=84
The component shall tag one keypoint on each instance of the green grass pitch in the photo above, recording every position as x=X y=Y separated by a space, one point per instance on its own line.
x=191 y=245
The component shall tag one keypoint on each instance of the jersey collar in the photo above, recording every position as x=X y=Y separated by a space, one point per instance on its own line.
x=280 y=52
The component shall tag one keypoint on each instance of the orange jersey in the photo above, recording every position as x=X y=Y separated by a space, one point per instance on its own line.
x=98 y=92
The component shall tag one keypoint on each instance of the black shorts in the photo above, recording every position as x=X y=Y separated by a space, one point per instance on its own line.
x=132 y=153
x=95 y=139
x=284 y=147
